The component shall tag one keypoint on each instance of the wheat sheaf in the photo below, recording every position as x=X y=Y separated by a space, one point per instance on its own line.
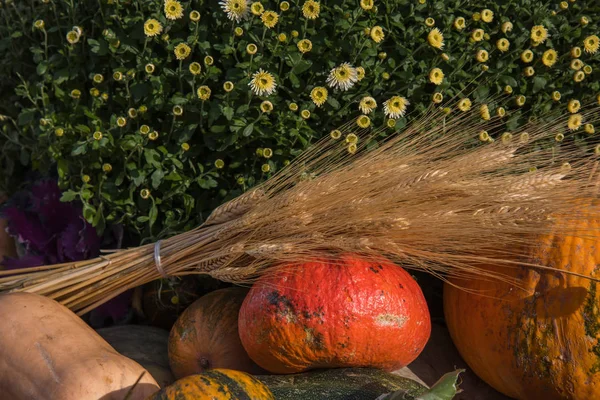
x=432 y=197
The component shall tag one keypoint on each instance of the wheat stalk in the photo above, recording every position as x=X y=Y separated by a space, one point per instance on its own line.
x=427 y=198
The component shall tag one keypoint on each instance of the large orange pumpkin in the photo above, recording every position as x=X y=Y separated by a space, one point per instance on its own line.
x=206 y=335
x=539 y=340
x=217 y=384
x=351 y=313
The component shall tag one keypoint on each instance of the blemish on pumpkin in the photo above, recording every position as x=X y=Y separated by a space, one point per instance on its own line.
x=390 y=320
x=314 y=339
x=373 y=269
x=48 y=361
x=285 y=308
x=591 y=323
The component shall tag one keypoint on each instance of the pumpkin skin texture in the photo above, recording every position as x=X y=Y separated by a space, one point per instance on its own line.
x=351 y=313
x=47 y=352
x=216 y=384
x=206 y=336
x=541 y=340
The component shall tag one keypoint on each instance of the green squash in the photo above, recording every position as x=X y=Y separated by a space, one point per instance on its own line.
x=343 y=384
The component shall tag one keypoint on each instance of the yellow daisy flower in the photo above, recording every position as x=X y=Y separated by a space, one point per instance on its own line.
x=194 y=16
x=360 y=73
x=107 y=167
x=487 y=15
x=86 y=178
x=203 y=92
x=579 y=76
x=219 y=164
x=589 y=128
x=482 y=56
x=238 y=31
x=587 y=69
x=476 y=16
x=529 y=71
x=185 y=146
x=484 y=112
x=395 y=107
x=459 y=23
x=236 y=9
x=335 y=134
x=508 y=89
x=293 y=107
x=507 y=27
x=430 y=22
x=177 y=111
x=584 y=21
x=556 y=96
x=295 y=33
x=367 y=105
x=262 y=83
x=352 y=148
x=343 y=77
x=464 y=104
x=366 y=4
x=437 y=98
x=73 y=37
x=270 y=19
x=97 y=135
x=132 y=112
x=574 y=122
x=265 y=168
x=574 y=106
x=144 y=129
x=377 y=34
x=549 y=57
x=39 y=24
x=351 y=138
x=257 y=8
x=173 y=9
x=363 y=121
x=391 y=123
x=59 y=132
x=319 y=95
x=477 y=35
x=503 y=44
x=520 y=100
x=576 y=64
x=182 y=51
x=527 y=56
x=591 y=44
x=228 y=86
x=195 y=68
x=501 y=112
x=251 y=49
x=98 y=78
x=266 y=106
x=436 y=76
x=282 y=37
x=575 y=52
x=435 y=38
x=539 y=34
x=445 y=56
x=121 y=122
x=484 y=136
x=305 y=114
x=559 y=137
x=284 y=6
x=305 y=46
x=267 y=153
x=598 y=98
x=563 y=5
x=311 y=9
x=149 y=68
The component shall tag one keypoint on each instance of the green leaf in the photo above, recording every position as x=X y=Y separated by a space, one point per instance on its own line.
x=62 y=167
x=539 y=83
x=80 y=148
x=248 y=130
x=228 y=113
x=26 y=117
x=333 y=102
x=157 y=177
x=152 y=157
x=140 y=90
x=302 y=66
x=153 y=215
x=42 y=68
x=69 y=195
x=294 y=79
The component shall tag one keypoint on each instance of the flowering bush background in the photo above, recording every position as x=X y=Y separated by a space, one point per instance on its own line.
x=152 y=113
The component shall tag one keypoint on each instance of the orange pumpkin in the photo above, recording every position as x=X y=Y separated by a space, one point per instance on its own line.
x=216 y=384
x=539 y=340
x=351 y=313
x=206 y=336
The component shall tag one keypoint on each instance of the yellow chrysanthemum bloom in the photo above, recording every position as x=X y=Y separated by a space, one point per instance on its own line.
x=589 y=129
x=382 y=55
x=97 y=135
x=238 y=31
x=73 y=37
x=335 y=134
x=266 y=106
x=506 y=137
x=459 y=23
x=267 y=153
x=236 y=9
x=94 y=92
x=476 y=16
x=539 y=34
x=132 y=112
x=591 y=44
x=177 y=111
x=363 y=121
x=445 y=56
x=391 y=123
x=482 y=56
x=319 y=95
x=305 y=114
x=507 y=27
x=576 y=64
x=59 y=132
x=195 y=68
x=501 y=112
x=352 y=148
x=219 y=164
x=265 y=168
x=295 y=33
x=351 y=138
x=430 y=22
x=556 y=96
x=520 y=100
x=587 y=69
x=366 y=4
x=305 y=46
x=529 y=71
x=153 y=135
x=477 y=35
x=86 y=178
x=203 y=92
x=104 y=96
x=484 y=112
x=284 y=6
x=436 y=76
x=437 y=98
x=251 y=49
x=118 y=76
x=194 y=16
x=563 y=5
x=484 y=136
x=559 y=137
x=485 y=67
x=257 y=8
x=487 y=15
x=584 y=21
x=503 y=44
x=144 y=129
x=142 y=109
x=385 y=76
x=173 y=9
x=464 y=104
x=270 y=19
x=311 y=9
x=527 y=56
x=435 y=38
x=121 y=122
x=367 y=105
x=262 y=83
x=574 y=122
x=182 y=51
x=39 y=24
x=98 y=78
x=107 y=167
x=579 y=76
x=208 y=60
x=377 y=34
x=282 y=37
x=575 y=52
x=549 y=57
x=395 y=107
x=360 y=73
x=228 y=86
x=598 y=98
x=75 y=94
x=343 y=77
x=149 y=68
x=185 y=146
x=574 y=106
x=293 y=107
